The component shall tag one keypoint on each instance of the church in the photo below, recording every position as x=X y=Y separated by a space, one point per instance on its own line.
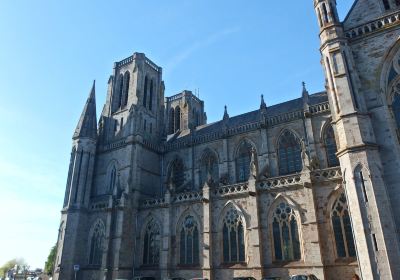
x=308 y=186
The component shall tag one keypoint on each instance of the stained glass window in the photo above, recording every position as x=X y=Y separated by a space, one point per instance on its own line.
x=330 y=146
x=233 y=237
x=289 y=153
x=342 y=228
x=243 y=158
x=96 y=244
x=189 y=242
x=151 y=246
x=285 y=234
x=209 y=165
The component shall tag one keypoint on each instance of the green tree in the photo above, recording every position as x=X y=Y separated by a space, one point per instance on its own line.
x=11 y=264
x=49 y=265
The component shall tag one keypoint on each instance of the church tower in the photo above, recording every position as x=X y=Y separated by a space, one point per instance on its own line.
x=77 y=194
x=374 y=228
x=135 y=100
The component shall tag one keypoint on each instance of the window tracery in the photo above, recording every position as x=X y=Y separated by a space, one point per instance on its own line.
x=243 y=159
x=151 y=246
x=289 y=154
x=189 y=242
x=342 y=228
x=209 y=165
x=285 y=233
x=177 y=174
x=233 y=237
x=330 y=147
x=96 y=244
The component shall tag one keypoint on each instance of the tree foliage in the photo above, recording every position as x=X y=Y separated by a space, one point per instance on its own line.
x=11 y=264
x=49 y=265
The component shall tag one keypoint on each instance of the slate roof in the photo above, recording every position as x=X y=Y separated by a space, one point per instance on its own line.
x=87 y=125
x=253 y=116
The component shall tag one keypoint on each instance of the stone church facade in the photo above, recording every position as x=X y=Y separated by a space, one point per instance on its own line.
x=305 y=186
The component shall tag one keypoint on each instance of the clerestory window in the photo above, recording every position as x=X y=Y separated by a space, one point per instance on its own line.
x=289 y=154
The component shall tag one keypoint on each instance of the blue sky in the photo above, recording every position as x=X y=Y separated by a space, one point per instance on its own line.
x=50 y=52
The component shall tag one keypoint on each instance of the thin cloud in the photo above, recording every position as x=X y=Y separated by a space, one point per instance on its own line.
x=199 y=45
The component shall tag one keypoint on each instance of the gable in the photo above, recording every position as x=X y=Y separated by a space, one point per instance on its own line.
x=361 y=12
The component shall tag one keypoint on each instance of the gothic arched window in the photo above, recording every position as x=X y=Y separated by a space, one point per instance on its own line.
x=325 y=13
x=151 y=246
x=124 y=100
x=145 y=91
x=289 y=154
x=189 y=242
x=330 y=147
x=120 y=89
x=177 y=118
x=112 y=178
x=243 y=159
x=386 y=4
x=233 y=237
x=396 y=109
x=171 y=121
x=285 y=233
x=151 y=95
x=342 y=228
x=209 y=165
x=96 y=244
x=177 y=173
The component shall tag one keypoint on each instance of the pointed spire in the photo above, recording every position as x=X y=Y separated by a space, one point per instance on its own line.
x=87 y=125
x=304 y=93
x=263 y=104
x=226 y=115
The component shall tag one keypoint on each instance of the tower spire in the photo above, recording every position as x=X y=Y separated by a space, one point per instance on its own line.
x=226 y=115
x=263 y=104
x=87 y=124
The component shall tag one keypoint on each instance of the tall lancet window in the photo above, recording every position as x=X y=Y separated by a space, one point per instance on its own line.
x=120 y=89
x=342 y=228
x=285 y=233
x=171 y=129
x=209 y=166
x=330 y=147
x=189 y=242
x=146 y=82
x=177 y=118
x=124 y=100
x=233 y=237
x=112 y=179
x=289 y=154
x=243 y=159
x=151 y=246
x=96 y=243
x=151 y=95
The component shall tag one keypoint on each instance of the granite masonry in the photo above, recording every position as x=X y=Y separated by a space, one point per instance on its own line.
x=308 y=186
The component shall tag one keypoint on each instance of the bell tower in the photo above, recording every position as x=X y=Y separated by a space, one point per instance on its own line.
x=373 y=224
x=135 y=100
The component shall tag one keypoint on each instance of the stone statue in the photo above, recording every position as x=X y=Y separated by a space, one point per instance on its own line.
x=304 y=156
x=253 y=164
